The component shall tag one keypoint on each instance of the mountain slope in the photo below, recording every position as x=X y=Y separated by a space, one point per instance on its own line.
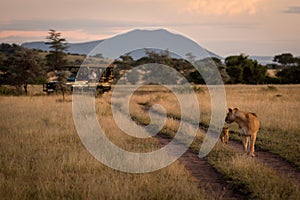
x=160 y=35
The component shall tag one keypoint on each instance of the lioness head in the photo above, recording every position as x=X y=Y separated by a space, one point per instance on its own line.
x=230 y=117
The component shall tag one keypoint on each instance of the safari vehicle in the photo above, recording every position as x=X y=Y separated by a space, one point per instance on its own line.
x=49 y=87
x=85 y=78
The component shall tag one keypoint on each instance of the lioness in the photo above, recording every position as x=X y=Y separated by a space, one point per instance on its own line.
x=225 y=135
x=249 y=125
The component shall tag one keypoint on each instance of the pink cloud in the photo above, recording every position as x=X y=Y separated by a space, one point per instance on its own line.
x=11 y=33
x=71 y=36
x=223 y=7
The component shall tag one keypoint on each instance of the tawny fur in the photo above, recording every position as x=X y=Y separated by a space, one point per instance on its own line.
x=225 y=135
x=249 y=126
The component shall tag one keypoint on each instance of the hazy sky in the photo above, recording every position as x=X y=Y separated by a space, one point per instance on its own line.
x=226 y=27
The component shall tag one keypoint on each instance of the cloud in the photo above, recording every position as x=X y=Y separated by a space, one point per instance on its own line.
x=62 y=24
x=19 y=36
x=293 y=10
x=74 y=30
x=82 y=30
x=91 y=25
x=223 y=7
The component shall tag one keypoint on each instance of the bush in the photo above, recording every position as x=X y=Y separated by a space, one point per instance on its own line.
x=290 y=75
x=40 y=80
x=271 y=80
x=5 y=91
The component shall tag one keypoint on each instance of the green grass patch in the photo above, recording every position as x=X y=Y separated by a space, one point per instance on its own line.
x=251 y=177
x=243 y=172
x=281 y=142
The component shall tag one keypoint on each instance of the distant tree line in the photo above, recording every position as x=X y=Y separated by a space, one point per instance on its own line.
x=20 y=67
x=289 y=72
x=237 y=69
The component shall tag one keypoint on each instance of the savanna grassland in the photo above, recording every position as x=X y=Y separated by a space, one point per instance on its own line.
x=42 y=157
x=277 y=108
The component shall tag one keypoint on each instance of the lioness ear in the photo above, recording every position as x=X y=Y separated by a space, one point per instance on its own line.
x=230 y=109
x=235 y=109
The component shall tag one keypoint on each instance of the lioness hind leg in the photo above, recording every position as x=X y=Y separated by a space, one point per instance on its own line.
x=222 y=139
x=252 y=142
x=245 y=140
x=226 y=139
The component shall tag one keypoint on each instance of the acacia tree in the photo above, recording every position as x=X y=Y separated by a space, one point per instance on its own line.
x=24 y=67
x=291 y=68
x=285 y=59
x=241 y=69
x=61 y=85
x=58 y=46
x=190 y=57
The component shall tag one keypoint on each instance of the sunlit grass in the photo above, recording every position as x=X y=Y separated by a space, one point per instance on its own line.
x=250 y=176
x=277 y=108
x=42 y=157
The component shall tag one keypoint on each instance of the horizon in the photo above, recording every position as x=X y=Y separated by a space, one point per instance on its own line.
x=252 y=27
x=83 y=42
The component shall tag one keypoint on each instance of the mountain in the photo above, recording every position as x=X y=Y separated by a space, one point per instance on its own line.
x=150 y=39
x=263 y=60
x=134 y=37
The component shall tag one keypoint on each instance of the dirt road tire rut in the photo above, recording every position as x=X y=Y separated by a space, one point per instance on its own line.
x=279 y=165
x=207 y=177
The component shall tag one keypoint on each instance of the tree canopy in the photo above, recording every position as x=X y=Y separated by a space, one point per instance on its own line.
x=22 y=67
x=290 y=68
x=58 y=46
x=241 y=69
x=285 y=59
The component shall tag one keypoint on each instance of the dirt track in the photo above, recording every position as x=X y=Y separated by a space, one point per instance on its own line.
x=208 y=178
x=213 y=182
x=275 y=162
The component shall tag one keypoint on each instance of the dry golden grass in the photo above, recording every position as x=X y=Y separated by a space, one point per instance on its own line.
x=41 y=157
x=277 y=108
x=251 y=177
x=272 y=72
x=246 y=173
